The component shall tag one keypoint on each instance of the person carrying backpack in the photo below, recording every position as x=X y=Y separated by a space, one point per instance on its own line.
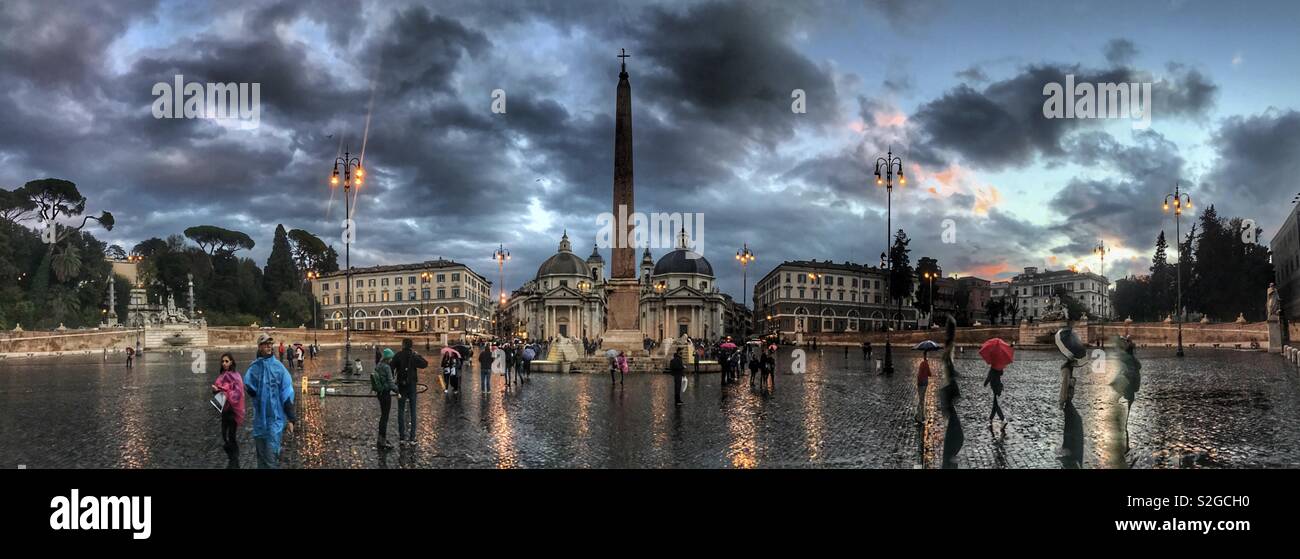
x=406 y=364
x=384 y=386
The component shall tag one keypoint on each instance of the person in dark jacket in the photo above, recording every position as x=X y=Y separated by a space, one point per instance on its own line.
x=406 y=365
x=384 y=386
x=769 y=370
x=485 y=370
x=678 y=369
x=994 y=381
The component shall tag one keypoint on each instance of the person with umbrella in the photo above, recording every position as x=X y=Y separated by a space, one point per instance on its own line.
x=528 y=355
x=998 y=354
x=1071 y=451
x=611 y=355
x=923 y=376
x=450 y=365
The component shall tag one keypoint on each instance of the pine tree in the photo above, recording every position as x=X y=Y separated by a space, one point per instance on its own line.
x=281 y=274
x=1161 y=284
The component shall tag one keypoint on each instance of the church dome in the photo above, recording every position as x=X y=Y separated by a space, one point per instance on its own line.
x=564 y=262
x=682 y=261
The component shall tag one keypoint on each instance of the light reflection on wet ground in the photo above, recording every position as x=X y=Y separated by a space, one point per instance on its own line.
x=1212 y=409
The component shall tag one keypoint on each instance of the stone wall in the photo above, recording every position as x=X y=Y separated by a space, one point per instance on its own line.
x=22 y=343
x=1153 y=333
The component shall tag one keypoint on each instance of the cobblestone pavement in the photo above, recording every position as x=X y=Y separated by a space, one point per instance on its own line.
x=1215 y=408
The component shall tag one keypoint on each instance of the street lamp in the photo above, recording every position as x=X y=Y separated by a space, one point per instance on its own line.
x=311 y=275
x=501 y=255
x=425 y=277
x=351 y=171
x=1181 y=200
x=744 y=256
x=929 y=277
x=889 y=164
x=661 y=288
x=582 y=310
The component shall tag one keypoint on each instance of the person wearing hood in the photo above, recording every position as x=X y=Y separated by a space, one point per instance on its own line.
x=270 y=387
x=406 y=365
x=384 y=385
x=231 y=385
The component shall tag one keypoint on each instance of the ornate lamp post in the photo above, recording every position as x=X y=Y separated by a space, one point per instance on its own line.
x=501 y=255
x=425 y=277
x=583 y=286
x=351 y=171
x=1181 y=200
x=889 y=164
x=929 y=277
x=744 y=256
x=661 y=289
x=1100 y=250
x=313 y=275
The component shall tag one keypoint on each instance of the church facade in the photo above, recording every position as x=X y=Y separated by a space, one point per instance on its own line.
x=568 y=297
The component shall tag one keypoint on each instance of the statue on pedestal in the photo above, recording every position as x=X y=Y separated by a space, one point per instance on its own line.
x=1272 y=309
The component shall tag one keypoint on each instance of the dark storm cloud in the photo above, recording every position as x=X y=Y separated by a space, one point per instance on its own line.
x=1255 y=174
x=1121 y=199
x=1120 y=52
x=974 y=74
x=57 y=46
x=906 y=13
x=1003 y=125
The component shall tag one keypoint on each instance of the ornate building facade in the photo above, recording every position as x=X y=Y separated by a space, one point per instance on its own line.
x=442 y=297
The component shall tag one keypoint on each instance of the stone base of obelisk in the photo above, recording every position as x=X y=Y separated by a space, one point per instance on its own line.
x=1275 y=342
x=623 y=317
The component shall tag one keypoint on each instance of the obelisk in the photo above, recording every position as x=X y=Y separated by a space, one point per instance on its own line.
x=623 y=298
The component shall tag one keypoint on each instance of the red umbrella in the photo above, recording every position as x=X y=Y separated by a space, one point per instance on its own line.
x=447 y=350
x=997 y=353
x=727 y=345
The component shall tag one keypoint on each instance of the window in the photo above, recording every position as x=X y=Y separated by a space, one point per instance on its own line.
x=336 y=285
x=336 y=299
x=384 y=296
x=372 y=283
x=564 y=283
x=361 y=283
x=383 y=282
x=372 y=295
x=326 y=300
x=839 y=281
x=424 y=294
x=410 y=295
x=801 y=293
x=455 y=277
x=681 y=283
x=455 y=292
x=325 y=287
x=704 y=285
x=442 y=278
x=787 y=277
x=442 y=293
x=398 y=295
x=801 y=278
x=853 y=282
x=397 y=281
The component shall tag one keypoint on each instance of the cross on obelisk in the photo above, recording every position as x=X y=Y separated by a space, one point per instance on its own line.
x=623 y=55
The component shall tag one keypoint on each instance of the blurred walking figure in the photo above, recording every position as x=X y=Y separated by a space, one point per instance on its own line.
x=922 y=383
x=499 y=364
x=298 y=354
x=678 y=369
x=622 y=367
x=384 y=385
x=769 y=370
x=231 y=386
x=954 y=437
x=528 y=356
x=270 y=386
x=1127 y=381
x=406 y=366
x=130 y=357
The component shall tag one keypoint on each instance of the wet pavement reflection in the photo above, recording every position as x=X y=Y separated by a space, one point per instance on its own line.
x=1215 y=409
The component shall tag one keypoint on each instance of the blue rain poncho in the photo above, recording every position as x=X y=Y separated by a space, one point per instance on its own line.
x=270 y=388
